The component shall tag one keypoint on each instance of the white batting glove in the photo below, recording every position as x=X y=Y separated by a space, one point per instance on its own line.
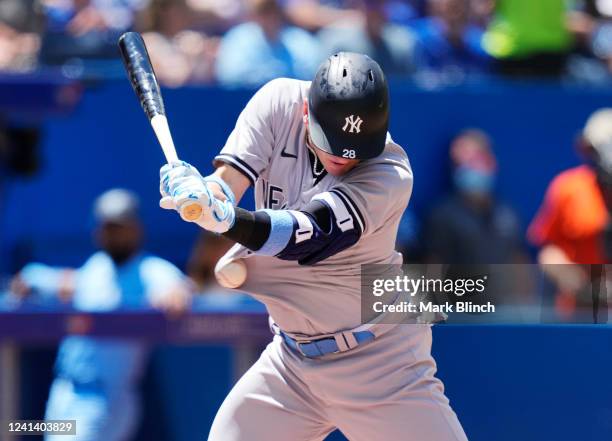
x=219 y=218
x=173 y=171
x=182 y=184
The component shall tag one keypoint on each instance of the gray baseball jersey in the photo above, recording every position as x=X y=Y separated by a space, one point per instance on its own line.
x=385 y=390
x=268 y=145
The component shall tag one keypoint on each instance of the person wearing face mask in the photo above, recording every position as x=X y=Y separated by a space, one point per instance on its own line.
x=472 y=226
x=471 y=232
x=97 y=378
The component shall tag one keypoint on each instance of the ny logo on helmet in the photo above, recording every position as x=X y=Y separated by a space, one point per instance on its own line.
x=352 y=123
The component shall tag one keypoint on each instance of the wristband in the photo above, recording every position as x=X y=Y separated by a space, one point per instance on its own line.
x=227 y=191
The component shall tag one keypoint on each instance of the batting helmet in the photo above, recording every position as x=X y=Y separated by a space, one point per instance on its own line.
x=348 y=107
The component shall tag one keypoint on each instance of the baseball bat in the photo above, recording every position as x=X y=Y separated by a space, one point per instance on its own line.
x=142 y=76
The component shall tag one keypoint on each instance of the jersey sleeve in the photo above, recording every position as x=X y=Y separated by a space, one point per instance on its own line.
x=249 y=147
x=375 y=193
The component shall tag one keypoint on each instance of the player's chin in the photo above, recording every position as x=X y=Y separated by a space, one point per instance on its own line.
x=338 y=168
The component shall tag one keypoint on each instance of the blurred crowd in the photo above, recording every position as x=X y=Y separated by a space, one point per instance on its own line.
x=248 y=42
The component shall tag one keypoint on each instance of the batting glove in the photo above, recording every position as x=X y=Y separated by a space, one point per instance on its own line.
x=181 y=185
x=171 y=172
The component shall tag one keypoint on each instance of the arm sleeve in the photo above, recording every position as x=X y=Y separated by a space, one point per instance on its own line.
x=249 y=147
x=43 y=279
x=323 y=228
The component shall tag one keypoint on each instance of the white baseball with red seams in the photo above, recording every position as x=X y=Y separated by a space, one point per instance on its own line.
x=231 y=273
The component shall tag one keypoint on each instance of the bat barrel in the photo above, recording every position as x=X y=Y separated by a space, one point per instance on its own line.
x=141 y=74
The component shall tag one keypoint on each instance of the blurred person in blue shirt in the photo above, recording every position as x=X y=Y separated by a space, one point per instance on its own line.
x=85 y=29
x=79 y=17
x=265 y=48
x=448 y=42
x=97 y=378
x=389 y=44
x=590 y=22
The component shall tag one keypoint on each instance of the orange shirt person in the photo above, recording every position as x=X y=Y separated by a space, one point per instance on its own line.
x=571 y=225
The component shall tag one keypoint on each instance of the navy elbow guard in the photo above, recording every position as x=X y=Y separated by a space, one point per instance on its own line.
x=323 y=229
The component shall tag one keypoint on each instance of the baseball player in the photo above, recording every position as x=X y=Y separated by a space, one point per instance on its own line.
x=330 y=188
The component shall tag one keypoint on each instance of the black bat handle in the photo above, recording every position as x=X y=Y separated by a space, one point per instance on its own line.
x=141 y=74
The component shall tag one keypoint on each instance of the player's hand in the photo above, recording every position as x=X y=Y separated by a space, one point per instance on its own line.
x=182 y=184
x=19 y=287
x=171 y=176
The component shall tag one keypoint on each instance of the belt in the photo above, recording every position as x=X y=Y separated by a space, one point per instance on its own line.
x=342 y=341
x=324 y=346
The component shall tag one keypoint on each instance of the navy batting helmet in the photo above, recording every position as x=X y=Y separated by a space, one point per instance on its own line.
x=348 y=107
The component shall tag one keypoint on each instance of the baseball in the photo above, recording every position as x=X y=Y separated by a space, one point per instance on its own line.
x=231 y=274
